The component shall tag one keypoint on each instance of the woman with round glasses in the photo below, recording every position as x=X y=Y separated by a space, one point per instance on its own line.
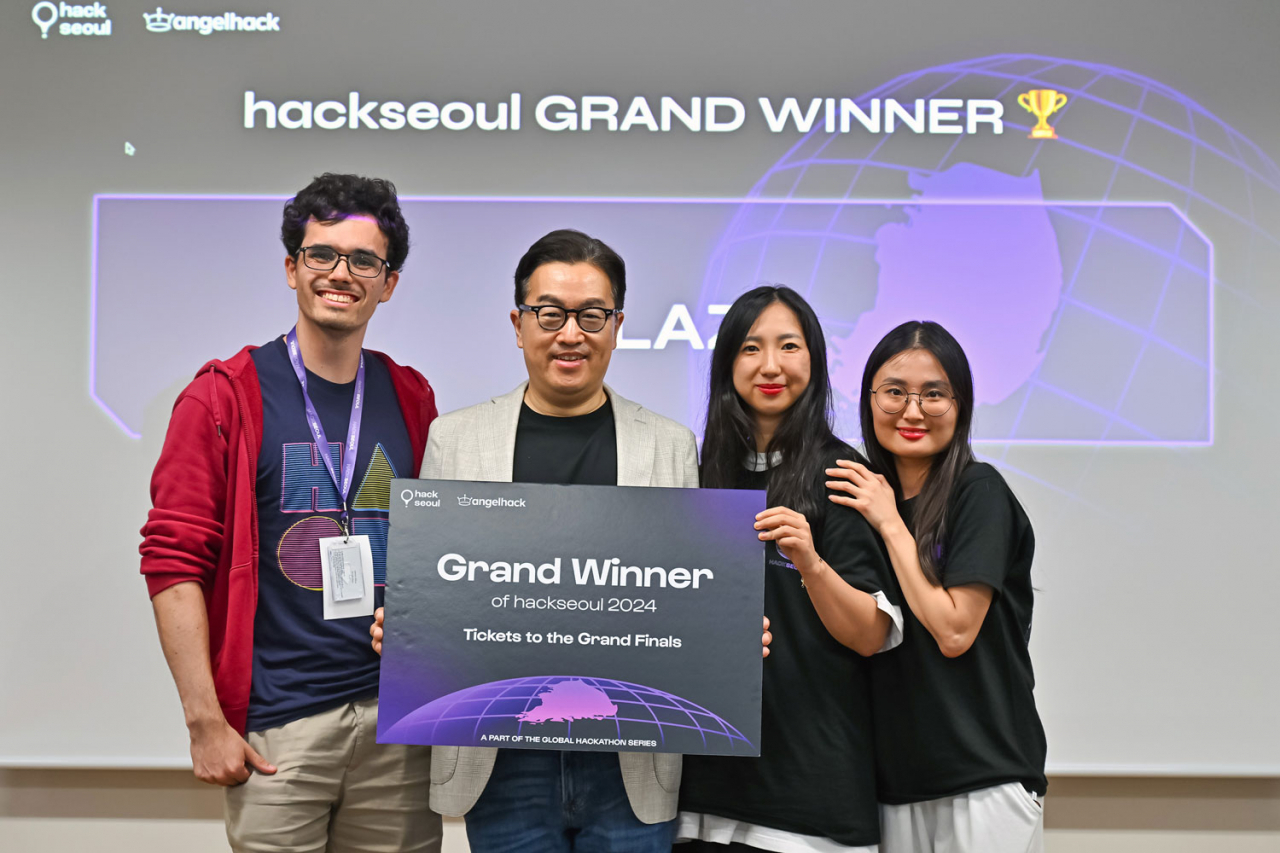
x=959 y=746
x=769 y=427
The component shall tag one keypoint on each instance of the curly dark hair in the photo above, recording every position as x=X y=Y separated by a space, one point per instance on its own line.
x=331 y=198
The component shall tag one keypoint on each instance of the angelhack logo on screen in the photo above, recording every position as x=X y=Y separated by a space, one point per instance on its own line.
x=72 y=20
x=161 y=21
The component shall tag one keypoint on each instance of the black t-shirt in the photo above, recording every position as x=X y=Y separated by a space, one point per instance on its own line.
x=304 y=664
x=949 y=726
x=581 y=450
x=815 y=774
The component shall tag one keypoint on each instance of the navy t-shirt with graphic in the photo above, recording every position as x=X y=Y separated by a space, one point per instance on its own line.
x=302 y=663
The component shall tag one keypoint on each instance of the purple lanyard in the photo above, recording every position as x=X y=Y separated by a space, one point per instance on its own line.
x=317 y=428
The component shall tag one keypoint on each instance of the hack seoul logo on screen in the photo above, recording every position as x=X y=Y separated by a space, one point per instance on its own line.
x=89 y=20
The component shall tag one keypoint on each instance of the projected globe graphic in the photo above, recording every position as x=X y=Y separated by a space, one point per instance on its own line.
x=569 y=711
x=1077 y=272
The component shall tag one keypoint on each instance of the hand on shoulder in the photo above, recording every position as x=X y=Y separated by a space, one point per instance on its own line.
x=855 y=485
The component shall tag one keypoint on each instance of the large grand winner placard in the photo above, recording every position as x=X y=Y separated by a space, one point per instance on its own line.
x=601 y=618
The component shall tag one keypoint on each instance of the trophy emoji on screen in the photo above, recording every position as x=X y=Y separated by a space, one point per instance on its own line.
x=1042 y=103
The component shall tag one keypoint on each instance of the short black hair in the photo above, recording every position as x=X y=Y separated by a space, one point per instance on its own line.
x=332 y=198
x=567 y=246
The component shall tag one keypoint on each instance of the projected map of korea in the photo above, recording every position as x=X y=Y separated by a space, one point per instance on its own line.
x=993 y=271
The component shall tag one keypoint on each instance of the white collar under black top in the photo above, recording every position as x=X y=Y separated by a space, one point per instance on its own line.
x=757 y=461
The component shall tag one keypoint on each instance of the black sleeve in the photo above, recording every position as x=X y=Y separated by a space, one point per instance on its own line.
x=980 y=542
x=852 y=548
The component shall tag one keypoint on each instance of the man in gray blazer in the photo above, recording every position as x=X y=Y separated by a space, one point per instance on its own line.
x=563 y=425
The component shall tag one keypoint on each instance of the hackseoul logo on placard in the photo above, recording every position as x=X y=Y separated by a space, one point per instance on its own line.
x=89 y=20
x=417 y=497
x=161 y=21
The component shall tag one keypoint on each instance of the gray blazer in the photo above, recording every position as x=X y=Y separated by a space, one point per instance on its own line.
x=479 y=443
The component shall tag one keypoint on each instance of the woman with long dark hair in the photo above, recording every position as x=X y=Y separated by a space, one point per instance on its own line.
x=959 y=746
x=769 y=427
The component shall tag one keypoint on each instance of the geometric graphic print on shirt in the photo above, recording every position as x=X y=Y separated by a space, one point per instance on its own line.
x=304 y=664
x=308 y=488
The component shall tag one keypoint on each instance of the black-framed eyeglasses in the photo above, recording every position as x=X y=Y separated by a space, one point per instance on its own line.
x=892 y=399
x=325 y=259
x=551 y=318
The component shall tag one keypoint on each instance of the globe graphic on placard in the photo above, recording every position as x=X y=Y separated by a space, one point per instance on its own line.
x=570 y=711
x=1077 y=272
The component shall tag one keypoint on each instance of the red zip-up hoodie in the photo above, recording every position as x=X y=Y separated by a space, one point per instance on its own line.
x=203 y=525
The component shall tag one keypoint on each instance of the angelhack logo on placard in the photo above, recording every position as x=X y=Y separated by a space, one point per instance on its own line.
x=490 y=503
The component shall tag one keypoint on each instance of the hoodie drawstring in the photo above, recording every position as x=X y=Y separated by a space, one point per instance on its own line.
x=213 y=402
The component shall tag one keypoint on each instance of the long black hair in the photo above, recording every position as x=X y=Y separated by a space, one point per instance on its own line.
x=930 y=513
x=804 y=435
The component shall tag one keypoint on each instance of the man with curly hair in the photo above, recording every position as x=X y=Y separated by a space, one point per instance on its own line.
x=269 y=456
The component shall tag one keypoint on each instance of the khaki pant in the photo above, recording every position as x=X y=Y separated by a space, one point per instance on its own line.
x=335 y=790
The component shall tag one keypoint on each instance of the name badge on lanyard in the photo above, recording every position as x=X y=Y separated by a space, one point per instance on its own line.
x=346 y=561
x=346 y=571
